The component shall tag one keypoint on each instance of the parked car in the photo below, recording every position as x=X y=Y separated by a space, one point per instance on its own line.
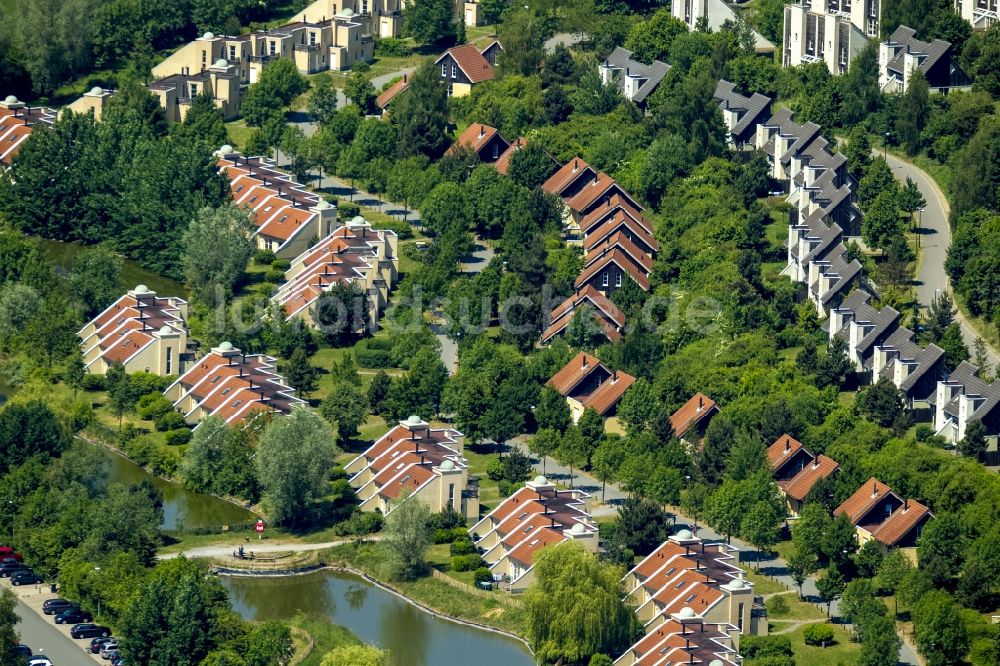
x=110 y=650
x=74 y=616
x=97 y=643
x=7 y=551
x=10 y=567
x=40 y=660
x=88 y=630
x=25 y=577
x=23 y=650
x=56 y=606
x=118 y=661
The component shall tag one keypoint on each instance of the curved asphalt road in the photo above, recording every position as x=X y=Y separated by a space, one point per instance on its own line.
x=935 y=239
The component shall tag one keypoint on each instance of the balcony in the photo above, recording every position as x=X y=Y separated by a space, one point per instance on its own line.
x=262 y=58
x=308 y=48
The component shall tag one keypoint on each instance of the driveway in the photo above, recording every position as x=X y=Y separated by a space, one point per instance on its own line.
x=935 y=239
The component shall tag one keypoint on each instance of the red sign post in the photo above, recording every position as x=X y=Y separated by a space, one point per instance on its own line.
x=260 y=529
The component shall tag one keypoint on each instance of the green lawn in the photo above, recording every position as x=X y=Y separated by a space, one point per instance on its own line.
x=843 y=651
x=764 y=585
x=325 y=636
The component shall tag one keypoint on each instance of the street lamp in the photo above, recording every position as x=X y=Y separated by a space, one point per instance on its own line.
x=920 y=224
x=885 y=148
x=98 y=570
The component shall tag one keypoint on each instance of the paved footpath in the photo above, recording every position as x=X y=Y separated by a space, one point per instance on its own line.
x=769 y=564
x=252 y=546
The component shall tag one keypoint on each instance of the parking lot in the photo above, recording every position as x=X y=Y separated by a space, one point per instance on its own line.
x=42 y=634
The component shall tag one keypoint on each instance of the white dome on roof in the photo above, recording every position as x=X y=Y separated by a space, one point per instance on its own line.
x=97 y=90
x=226 y=346
x=357 y=219
x=323 y=205
x=447 y=465
x=578 y=529
x=540 y=481
x=208 y=35
x=10 y=99
x=686 y=613
x=716 y=662
x=347 y=12
x=736 y=584
x=226 y=149
x=222 y=62
x=412 y=420
x=141 y=289
x=166 y=330
x=684 y=535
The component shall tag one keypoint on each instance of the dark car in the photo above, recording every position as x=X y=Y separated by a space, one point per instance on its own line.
x=56 y=606
x=10 y=567
x=23 y=650
x=74 y=616
x=88 y=630
x=25 y=577
x=97 y=643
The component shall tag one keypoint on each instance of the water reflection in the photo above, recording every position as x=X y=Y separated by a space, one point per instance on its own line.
x=182 y=508
x=375 y=616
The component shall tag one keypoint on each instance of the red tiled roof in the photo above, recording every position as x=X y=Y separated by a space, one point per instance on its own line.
x=607 y=313
x=693 y=411
x=781 y=450
x=901 y=522
x=620 y=240
x=615 y=204
x=471 y=61
x=583 y=200
x=475 y=136
x=285 y=223
x=503 y=163
x=525 y=551
x=821 y=468
x=622 y=260
x=574 y=372
x=614 y=224
x=566 y=175
x=609 y=392
x=414 y=477
x=858 y=504
x=127 y=347
x=390 y=93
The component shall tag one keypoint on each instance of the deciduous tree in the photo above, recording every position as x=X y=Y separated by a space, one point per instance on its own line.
x=217 y=247
x=407 y=538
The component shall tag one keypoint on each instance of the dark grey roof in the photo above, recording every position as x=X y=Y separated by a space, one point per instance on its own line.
x=926 y=358
x=748 y=109
x=846 y=272
x=653 y=73
x=829 y=236
x=906 y=38
x=881 y=320
x=967 y=375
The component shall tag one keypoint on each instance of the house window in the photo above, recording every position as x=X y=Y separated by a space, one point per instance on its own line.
x=454 y=71
x=204 y=58
x=604 y=279
x=496 y=151
x=226 y=390
x=618 y=280
x=170 y=359
x=237 y=404
x=194 y=90
x=274 y=47
x=312 y=39
x=444 y=69
x=451 y=493
x=739 y=620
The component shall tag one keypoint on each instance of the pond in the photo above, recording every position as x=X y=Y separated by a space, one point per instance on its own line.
x=414 y=637
x=182 y=508
x=62 y=254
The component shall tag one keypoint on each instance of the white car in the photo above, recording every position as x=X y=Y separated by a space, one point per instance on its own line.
x=40 y=660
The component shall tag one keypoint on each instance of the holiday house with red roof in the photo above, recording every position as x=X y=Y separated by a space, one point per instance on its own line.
x=586 y=382
x=879 y=514
x=796 y=470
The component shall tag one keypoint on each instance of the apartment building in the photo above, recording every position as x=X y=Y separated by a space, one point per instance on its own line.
x=796 y=470
x=981 y=14
x=586 y=382
x=93 y=101
x=353 y=255
x=414 y=461
x=879 y=514
x=684 y=638
x=903 y=54
x=141 y=332
x=176 y=93
x=233 y=386
x=288 y=217
x=820 y=33
x=741 y=114
x=383 y=18
x=714 y=14
x=534 y=517
x=634 y=79
x=17 y=121
x=963 y=398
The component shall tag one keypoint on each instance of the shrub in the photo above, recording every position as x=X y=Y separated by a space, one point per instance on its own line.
x=164 y=462
x=373 y=358
x=447 y=519
x=147 y=382
x=466 y=562
x=347 y=209
x=389 y=46
x=361 y=523
x=482 y=575
x=754 y=647
x=777 y=605
x=94 y=383
x=818 y=634
x=178 y=437
x=271 y=275
x=170 y=421
x=462 y=547
x=267 y=288
x=402 y=230
x=507 y=488
x=495 y=469
x=81 y=415
x=924 y=432
x=281 y=264
x=152 y=406
x=263 y=257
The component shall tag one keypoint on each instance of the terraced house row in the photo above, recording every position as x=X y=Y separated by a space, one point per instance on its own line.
x=694 y=604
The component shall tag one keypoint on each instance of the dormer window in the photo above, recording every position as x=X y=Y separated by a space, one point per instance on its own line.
x=454 y=72
x=237 y=404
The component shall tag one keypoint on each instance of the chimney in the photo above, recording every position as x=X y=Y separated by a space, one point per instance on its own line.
x=874 y=488
x=701 y=402
x=584 y=363
x=576 y=165
x=906 y=505
x=482 y=131
x=788 y=444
